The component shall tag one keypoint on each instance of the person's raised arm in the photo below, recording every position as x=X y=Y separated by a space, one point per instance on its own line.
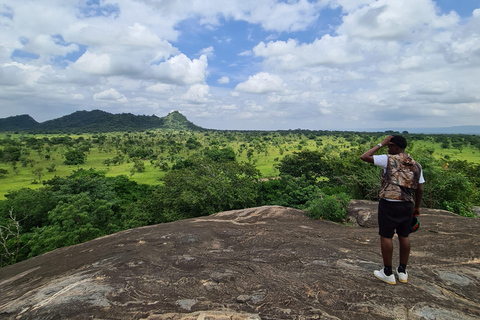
x=368 y=155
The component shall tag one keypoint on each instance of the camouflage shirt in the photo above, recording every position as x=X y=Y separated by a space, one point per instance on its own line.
x=400 y=178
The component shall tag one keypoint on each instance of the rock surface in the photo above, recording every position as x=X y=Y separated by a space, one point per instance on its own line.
x=260 y=263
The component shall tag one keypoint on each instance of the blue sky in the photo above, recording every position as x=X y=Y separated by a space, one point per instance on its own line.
x=319 y=65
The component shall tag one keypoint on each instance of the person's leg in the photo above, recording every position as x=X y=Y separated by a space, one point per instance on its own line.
x=386 y=231
x=386 y=273
x=404 y=243
x=404 y=254
x=386 y=245
x=403 y=230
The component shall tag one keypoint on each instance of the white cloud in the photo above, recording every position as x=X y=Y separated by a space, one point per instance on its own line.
x=45 y=45
x=132 y=51
x=324 y=107
x=272 y=15
x=285 y=16
x=197 y=93
x=12 y=75
x=94 y=63
x=434 y=87
x=181 y=70
x=291 y=55
x=228 y=107
x=394 y=20
x=78 y=96
x=412 y=62
x=262 y=82
x=110 y=95
x=209 y=51
x=246 y=53
x=160 y=88
x=224 y=80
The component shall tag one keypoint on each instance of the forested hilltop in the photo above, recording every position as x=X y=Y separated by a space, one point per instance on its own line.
x=97 y=121
x=65 y=189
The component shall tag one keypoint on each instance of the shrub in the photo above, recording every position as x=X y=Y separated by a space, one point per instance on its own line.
x=459 y=208
x=287 y=191
x=331 y=208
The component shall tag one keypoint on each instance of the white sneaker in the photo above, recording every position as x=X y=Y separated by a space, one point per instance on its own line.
x=382 y=276
x=402 y=276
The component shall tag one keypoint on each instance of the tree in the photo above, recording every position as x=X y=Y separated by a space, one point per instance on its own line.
x=311 y=164
x=3 y=172
x=31 y=207
x=192 y=143
x=219 y=155
x=9 y=240
x=38 y=173
x=138 y=166
x=72 y=222
x=74 y=157
x=204 y=188
x=11 y=154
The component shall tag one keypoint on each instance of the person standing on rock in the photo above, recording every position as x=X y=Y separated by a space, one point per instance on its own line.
x=400 y=197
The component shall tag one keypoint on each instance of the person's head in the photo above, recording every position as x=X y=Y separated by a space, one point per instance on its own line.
x=397 y=145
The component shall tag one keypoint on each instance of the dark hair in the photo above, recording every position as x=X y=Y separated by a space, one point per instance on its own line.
x=399 y=141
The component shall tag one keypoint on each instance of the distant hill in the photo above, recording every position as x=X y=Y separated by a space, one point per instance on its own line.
x=18 y=123
x=448 y=130
x=98 y=121
x=101 y=121
x=176 y=120
x=432 y=130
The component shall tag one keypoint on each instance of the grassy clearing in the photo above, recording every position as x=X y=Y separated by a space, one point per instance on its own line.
x=466 y=153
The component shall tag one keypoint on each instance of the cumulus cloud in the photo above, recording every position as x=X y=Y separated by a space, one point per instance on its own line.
x=394 y=20
x=181 y=70
x=262 y=82
x=224 y=80
x=160 y=88
x=132 y=51
x=94 y=63
x=272 y=15
x=110 y=95
x=292 y=55
x=197 y=93
x=284 y=16
x=47 y=46
x=11 y=75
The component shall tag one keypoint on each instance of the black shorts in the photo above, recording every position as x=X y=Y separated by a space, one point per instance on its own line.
x=393 y=215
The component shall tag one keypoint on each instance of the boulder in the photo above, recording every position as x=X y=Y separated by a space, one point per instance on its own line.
x=476 y=211
x=260 y=263
x=363 y=213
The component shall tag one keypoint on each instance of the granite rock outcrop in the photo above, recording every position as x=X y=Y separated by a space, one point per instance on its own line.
x=260 y=263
